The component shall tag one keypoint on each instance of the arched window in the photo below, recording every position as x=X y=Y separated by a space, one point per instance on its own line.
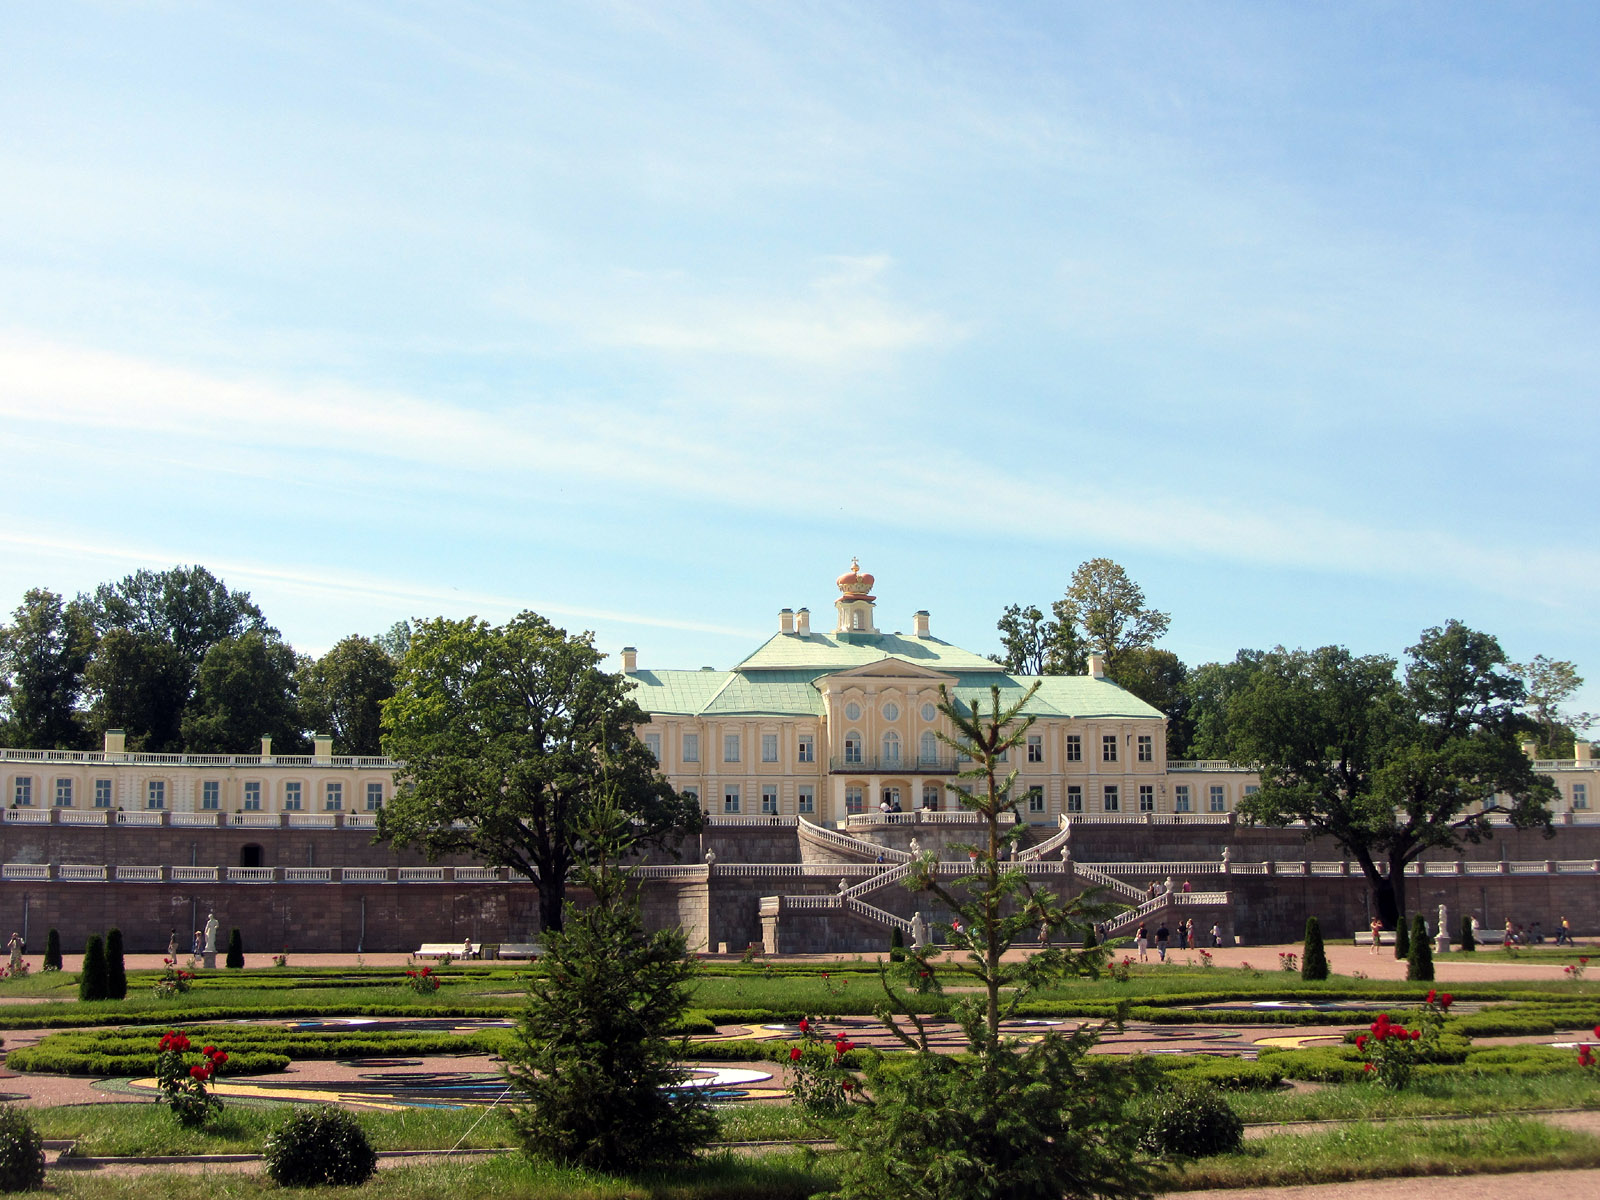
x=930 y=749
x=891 y=747
x=852 y=747
x=855 y=619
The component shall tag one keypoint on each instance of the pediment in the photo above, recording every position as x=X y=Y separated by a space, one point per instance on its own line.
x=890 y=668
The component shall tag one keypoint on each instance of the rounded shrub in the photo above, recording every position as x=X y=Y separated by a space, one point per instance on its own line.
x=316 y=1146
x=116 y=967
x=21 y=1152
x=1191 y=1119
x=52 y=950
x=235 y=949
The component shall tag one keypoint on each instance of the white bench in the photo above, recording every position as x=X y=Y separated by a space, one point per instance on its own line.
x=1386 y=938
x=520 y=950
x=450 y=949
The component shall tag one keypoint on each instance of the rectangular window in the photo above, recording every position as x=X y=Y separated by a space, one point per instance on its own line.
x=291 y=796
x=1074 y=748
x=1108 y=747
x=333 y=797
x=769 y=747
x=730 y=798
x=1147 y=748
x=22 y=793
x=1219 y=801
x=1074 y=799
x=1147 y=798
x=930 y=795
x=730 y=747
x=211 y=795
x=374 y=797
x=1580 y=795
x=155 y=794
x=769 y=799
x=102 y=793
x=808 y=748
x=692 y=793
x=1111 y=799
x=1250 y=789
x=252 y=797
x=63 y=793
x=691 y=747
x=652 y=743
x=852 y=749
x=1036 y=799
x=853 y=800
x=1180 y=798
x=1035 y=748
x=808 y=799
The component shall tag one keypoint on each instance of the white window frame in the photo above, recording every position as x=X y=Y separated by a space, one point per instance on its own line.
x=1147 y=797
x=374 y=796
x=1035 y=748
x=732 y=747
x=1074 y=747
x=852 y=747
x=806 y=749
x=855 y=799
x=769 y=799
x=1180 y=798
x=155 y=795
x=891 y=748
x=1108 y=747
x=293 y=795
x=102 y=793
x=22 y=791
x=731 y=800
x=691 y=747
x=1074 y=799
x=210 y=795
x=1036 y=799
x=928 y=748
x=1218 y=801
x=1147 y=748
x=333 y=796
x=769 y=747
x=1580 y=795
x=652 y=743
x=252 y=795
x=64 y=790
x=807 y=799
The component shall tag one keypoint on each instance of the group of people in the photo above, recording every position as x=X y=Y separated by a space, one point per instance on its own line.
x=1187 y=939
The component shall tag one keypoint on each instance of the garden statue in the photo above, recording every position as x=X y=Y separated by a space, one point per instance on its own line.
x=919 y=932
x=211 y=933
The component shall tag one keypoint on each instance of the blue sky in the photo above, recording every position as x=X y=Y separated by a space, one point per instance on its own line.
x=650 y=316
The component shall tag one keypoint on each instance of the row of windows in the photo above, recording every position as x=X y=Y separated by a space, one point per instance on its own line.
x=733 y=746
x=733 y=800
x=155 y=794
x=928 y=747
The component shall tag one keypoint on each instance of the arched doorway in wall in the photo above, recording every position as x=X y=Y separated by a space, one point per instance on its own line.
x=250 y=855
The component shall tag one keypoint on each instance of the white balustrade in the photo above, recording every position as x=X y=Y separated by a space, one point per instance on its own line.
x=81 y=872
x=195 y=820
x=137 y=874
x=308 y=874
x=25 y=871
x=252 y=874
x=421 y=874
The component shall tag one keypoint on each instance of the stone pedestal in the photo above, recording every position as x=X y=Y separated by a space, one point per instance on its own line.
x=1441 y=943
x=209 y=960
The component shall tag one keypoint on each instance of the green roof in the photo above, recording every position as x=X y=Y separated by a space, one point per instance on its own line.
x=825 y=652
x=1058 y=696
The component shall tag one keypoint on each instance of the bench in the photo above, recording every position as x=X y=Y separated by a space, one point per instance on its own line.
x=443 y=949
x=1386 y=938
x=519 y=950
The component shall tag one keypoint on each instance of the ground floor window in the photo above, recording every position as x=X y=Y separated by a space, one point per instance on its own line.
x=1147 y=798
x=853 y=800
x=1112 y=798
x=1036 y=799
x=1074 y=799
x=730 y=798
x=808 y=800
x=1219 y=799
x=769 y=798
x=63 y=793
x=1180 y=798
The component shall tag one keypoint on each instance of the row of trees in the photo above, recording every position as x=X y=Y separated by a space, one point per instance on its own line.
x=1104 y=612
x=181 y=662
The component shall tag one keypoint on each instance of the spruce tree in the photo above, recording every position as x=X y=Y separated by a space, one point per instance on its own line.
x=595 y=1060
x=1313 y=958
x=235 y=956
x=1402 y=940
x=1469 y=942
x=1419 y=961
x=92 y=979
x=52 y=950
x=116 y=968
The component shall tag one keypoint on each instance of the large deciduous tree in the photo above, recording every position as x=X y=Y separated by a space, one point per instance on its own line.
x=1550 y=684
x=1387 y=768
x=1158 y=677
x=507 y=733
x=1110 y=610
x=43 y=654
x=154 y=629
x=1033 y=645
x=245 y=691
x=342 y=693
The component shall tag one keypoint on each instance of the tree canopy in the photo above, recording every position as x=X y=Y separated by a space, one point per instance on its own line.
x=1389 y=767
x=508 y=733
x=1549 y=684
x=43 y=654
x=245 y=691
x=342 y=693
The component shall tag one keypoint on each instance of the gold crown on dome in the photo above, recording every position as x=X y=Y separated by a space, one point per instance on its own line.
x=855 y=582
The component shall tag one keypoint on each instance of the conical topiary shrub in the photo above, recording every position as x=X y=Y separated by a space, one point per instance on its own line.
x=1419 y=962
x=52 y=950
x=1313 y=958
x=1402 y=940
x=92 y=980
x=897 y=945
x=235 y=949
x=1469 y=942
x=116 y=968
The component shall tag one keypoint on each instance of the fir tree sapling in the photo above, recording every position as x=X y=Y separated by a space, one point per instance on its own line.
x=1007 y=1119
x=595 y=1060
x=1402 y=940
x=116 y=967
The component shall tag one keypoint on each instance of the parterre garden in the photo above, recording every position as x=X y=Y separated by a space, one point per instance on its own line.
x=1455 y=1066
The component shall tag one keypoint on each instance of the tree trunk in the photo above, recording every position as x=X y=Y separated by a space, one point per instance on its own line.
x=1385 y=902
x=1397 y=885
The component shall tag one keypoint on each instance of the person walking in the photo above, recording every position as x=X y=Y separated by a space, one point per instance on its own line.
x=1216 y=938
x=1142 y=940
x=1163 y=935
x=1377 y=935
x=15 y=946
x=172 y=943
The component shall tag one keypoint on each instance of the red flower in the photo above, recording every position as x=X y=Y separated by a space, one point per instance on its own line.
x=1430 y=995
x=847 y=1085
x=1444 y=1000
x=219 y=1058
x=1361 y=1041
x=794 y=1053
x=1366 y=1066
x=209 y=1051
x=1415 y=1034
x=804 y=1025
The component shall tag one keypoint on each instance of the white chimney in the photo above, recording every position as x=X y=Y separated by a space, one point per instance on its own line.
x=802 y=621
x=266 y=747
x=1097 y=666
x=786 y=620
x=116 y=742
x=630 y=660
x=919 y=622
x=1583 y=750
x=323 y=743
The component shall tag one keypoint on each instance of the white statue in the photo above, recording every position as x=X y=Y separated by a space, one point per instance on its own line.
x=843 y=884
x=1444 y=918
x=711 y=858
x=1227 y=857
x=916 y=848
x=919 y=932
x=1169 y=885
x=211 y=933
